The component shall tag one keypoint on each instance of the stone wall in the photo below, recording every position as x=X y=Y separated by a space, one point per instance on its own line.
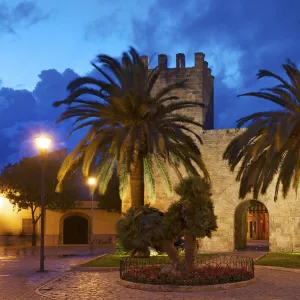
x=284 y=215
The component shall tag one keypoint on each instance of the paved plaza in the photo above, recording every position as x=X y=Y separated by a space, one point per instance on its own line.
x=18 y=276
x=19 y=280
x=275 y=285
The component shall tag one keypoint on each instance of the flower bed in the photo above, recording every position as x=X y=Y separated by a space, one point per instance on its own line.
x=200 y=276
x=208 y=272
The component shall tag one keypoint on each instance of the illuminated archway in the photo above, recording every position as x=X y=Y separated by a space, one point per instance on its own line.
x=251 y=224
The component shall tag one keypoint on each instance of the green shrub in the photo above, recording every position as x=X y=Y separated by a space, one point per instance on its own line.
x=140 y=229
x=119 y=248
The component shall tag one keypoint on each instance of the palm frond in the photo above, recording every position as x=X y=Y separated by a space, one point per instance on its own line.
x=164 y=174
x=149 y=176
x=269 y=149
x=131 y=121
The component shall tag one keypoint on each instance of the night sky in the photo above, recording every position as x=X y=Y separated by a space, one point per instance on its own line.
x=47 y=43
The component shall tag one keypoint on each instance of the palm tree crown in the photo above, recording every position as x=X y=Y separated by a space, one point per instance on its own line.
x=129 y=127
x=269 y=148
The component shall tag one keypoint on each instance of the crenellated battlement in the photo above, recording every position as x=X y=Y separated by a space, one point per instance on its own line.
x=199 y=63
x=200 y=83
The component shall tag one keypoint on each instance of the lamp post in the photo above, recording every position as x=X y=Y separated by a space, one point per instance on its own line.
x=92 y=182
x=43 y=144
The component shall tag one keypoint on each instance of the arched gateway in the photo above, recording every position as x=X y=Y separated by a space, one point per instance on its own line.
x=251 y=225
x=74 y=228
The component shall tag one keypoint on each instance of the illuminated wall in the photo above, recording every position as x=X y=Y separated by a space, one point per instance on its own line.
x=11 y=219
x=104 y=222
x=11 y=222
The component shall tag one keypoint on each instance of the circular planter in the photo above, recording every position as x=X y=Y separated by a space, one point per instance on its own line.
x=230 y=271
x=185 y=288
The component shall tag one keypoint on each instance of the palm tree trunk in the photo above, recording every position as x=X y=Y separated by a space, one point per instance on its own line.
x=137 y=183
x=190 y=244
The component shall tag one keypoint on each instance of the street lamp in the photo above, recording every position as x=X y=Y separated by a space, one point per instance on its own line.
x=42 y=143
x=92 y=182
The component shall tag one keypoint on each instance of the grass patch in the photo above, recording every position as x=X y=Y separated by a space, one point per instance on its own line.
x=109 y=260
x=113 y=260
x=285 y=260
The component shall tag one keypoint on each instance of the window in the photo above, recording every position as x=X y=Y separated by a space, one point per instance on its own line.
x=27 y=226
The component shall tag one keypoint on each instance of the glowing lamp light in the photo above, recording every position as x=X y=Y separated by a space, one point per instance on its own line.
x=92 y=181
x=43 y=142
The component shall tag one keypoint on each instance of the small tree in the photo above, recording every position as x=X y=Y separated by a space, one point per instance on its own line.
x=142 y=228
x=192 y=216
x=21 y=184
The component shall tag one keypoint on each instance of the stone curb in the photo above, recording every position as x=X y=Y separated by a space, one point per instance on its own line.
x=259 y=257
x=37 y=290
x=181 y=288
x=79 y=266
x=277 y=268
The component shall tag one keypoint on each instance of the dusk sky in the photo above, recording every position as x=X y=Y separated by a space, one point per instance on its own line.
x=47 y=43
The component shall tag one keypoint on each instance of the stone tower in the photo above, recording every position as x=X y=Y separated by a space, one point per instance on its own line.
x=199 y=80
x=200 y=88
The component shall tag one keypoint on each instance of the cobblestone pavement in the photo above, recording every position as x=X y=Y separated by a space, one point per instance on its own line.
x=270 y=284
x=18 y=276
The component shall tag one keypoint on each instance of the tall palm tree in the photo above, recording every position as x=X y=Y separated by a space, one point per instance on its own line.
x=131 y=127
x=270 y=147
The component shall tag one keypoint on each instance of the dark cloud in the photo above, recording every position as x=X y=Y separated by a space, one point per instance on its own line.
x=239 y=38
x=24 y=114
x=20 y=138
x=51 y=87
x=17 y=106
x=6 y=148
x=22 y=15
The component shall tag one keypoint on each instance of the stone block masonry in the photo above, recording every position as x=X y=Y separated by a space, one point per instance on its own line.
x=284 y=215
x=200 y=84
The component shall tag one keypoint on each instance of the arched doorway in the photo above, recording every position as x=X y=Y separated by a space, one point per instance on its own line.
x=252 y=226
x=75 y=230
